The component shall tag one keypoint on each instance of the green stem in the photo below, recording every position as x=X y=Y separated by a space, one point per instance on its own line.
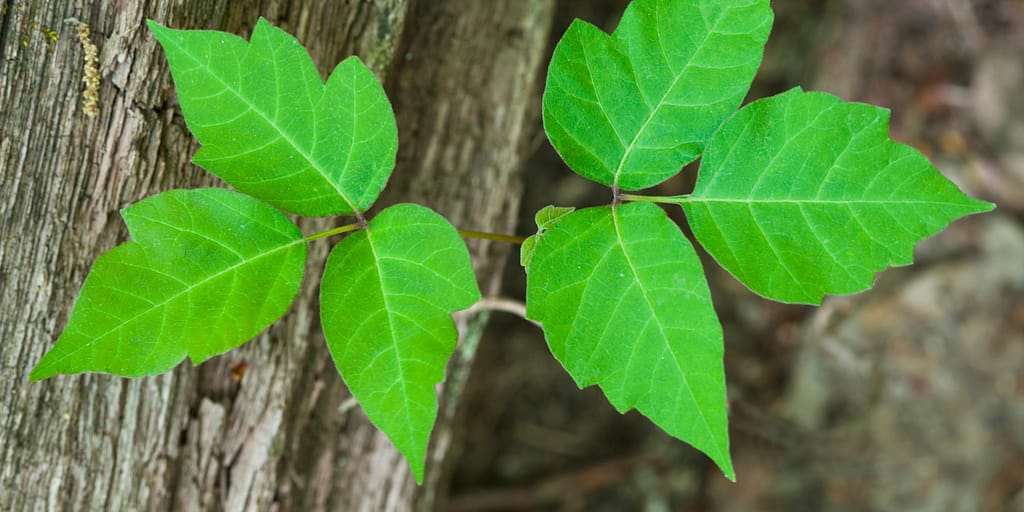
x=685 y=198
x=336 y=231
x=465 y=233
x=518 y=240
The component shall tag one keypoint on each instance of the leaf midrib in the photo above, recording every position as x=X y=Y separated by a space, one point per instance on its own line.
x=409 y=432
x=749 y=201
x=650 y=116
x=187 y=289
x=314 y=164
x=675 y=357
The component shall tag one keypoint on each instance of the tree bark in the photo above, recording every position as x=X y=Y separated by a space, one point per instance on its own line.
x=268 y=426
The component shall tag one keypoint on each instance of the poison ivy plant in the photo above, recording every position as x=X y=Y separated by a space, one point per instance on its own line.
x=210 y=269
x=798 y=195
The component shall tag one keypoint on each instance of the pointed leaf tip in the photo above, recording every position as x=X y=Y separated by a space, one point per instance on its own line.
x=818 y=200
x=207 y=270
x=385 y=304
x=624 y=304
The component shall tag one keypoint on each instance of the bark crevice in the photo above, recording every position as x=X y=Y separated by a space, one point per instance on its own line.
x=279 y=433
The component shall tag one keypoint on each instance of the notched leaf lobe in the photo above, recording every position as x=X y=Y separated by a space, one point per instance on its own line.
x=207 y=270
x=624 y=304
x=385 y=303
x=271 y=128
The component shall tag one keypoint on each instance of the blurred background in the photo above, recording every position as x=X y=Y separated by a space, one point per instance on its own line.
x=906 y=397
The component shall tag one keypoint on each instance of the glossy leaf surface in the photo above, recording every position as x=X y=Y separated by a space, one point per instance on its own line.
x=633 y=108
x=385 y=303
x=270 y=126
x=624 y=304
x=207 y=270
x=802 y=194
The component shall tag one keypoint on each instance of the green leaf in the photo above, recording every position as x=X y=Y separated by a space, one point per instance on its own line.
x=207 y=271
x=624 y=304
x=633 y=108
x=550 y=215
x=801 y=194
x=385 y=303
x=545 y=218
x=526 y=251
x=272 y=129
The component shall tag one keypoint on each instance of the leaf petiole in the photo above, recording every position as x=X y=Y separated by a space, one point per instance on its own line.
x=518 y=240
x=465 y=233
x=685 y=198
x=335 y=231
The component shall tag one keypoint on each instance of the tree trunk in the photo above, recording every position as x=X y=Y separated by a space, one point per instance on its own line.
x=268 y=426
